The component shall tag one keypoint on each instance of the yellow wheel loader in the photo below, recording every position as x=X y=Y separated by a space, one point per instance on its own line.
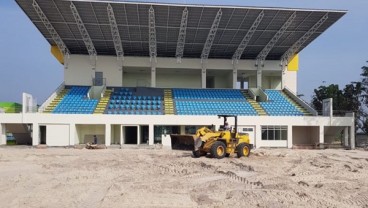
x=219 y=143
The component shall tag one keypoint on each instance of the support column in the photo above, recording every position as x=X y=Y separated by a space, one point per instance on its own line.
x=72 y=133
x=151 y=134
x=321 y=134
x=122 y=138
x=259 y=77
x=153 y=75
x=182 y=129
x=235 y=75
x=258 y=135
x=107 y=134
x=283 y=76
x=352 y=137
x=204 y=76
x=290 y=137
x=2 y=134
x=138 y=134
x=35 y=134
x=346 y=136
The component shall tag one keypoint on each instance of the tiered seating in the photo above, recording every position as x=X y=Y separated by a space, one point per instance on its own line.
x=211 y=102
x=126 y=101
x=75 y=102
x=278 y=105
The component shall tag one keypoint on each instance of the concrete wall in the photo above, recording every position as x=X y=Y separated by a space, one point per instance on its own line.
x=82 y=125
x=57 y=135
x=80 y=72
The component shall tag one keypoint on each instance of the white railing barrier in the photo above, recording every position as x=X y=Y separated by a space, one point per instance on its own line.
x=300 y=101
x=51 y=97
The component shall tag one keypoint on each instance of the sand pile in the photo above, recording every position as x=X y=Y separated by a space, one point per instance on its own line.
x=165 y=178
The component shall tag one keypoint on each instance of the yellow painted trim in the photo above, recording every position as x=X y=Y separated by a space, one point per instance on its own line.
x=57 y=54
x=294 y=63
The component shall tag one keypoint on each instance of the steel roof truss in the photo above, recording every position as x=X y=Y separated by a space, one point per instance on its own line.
x=211 y=36
x=266 y=50
x=152 y=34
x=244 y=43
x=55 y=36
x=115 y=34
x=86 y=38
x=182 y=33
x=297 y=45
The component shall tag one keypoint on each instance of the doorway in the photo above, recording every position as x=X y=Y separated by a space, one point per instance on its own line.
x=42 y=134
x=130 y=134
x=144 y=133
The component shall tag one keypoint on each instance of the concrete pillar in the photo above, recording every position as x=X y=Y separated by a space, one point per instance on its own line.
x=352 y=137
x=72 y=133
x=290 y=137
x=321 y=134
x=182 y=129
x=35 y=134
x=258 y=135
x=283 y=76
x=107 y=134
x=122 y=138
x=235 y=76
x=138 y=134
x=204 y=76
x=151 y=134
x=259 y=78
x=153 y=75
x=2 y=134
x=346 y=136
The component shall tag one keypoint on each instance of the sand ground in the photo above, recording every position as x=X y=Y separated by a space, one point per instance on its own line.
x=56 y=177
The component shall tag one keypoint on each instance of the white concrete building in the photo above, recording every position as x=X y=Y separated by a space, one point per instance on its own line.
x=148 y=48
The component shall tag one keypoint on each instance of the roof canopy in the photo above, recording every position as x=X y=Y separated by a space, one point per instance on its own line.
x=221 y=29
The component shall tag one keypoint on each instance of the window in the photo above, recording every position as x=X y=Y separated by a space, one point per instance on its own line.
x=274 y=132
x=248 y=129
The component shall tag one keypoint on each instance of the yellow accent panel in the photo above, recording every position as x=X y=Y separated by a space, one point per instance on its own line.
x=57 y=53
x=294 y=63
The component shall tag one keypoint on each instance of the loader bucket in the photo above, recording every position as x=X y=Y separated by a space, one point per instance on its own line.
x=182 y=142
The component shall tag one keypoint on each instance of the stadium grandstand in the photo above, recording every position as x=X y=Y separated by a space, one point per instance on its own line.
x=136 y=72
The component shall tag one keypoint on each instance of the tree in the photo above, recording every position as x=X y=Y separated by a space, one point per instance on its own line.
x=324 y=92
x=364 y=100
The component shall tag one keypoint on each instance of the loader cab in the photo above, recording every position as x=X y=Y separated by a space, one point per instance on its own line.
x=233 y=130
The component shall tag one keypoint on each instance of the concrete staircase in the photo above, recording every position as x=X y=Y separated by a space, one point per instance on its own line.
x=101 y=106
x=56 y=101
x=297 y=105
x=168 y=102
x=254 y=104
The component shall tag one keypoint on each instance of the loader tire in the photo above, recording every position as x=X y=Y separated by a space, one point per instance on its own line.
x=196 y=154
x=243 y=150
x=218 y=150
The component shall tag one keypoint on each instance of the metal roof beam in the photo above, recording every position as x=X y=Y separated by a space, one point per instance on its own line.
x=244 y=43
x=211 y=36
x=266 y=50
x=182 y=33
x=86 y=38
x=115 y=34
x=152 y=34
x=55 y=36
x=286 y=57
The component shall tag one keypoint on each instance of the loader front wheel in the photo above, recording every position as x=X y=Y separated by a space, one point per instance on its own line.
x=218 y=150
x=242 y=150
x=196 y=154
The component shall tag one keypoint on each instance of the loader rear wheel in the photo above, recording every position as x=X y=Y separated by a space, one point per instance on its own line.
x=242 y=150
x=218 y=150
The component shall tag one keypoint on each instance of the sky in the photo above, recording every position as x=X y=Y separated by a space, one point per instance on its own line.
x=335 y=57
